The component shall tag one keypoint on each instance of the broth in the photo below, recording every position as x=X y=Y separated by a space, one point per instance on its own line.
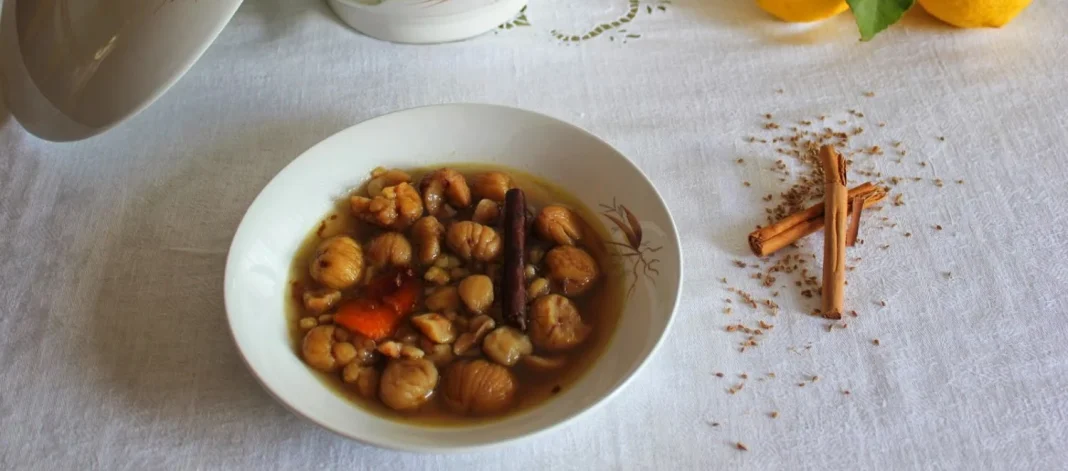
x=600 y=307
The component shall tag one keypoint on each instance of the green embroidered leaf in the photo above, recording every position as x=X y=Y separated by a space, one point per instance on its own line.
x=873 y=16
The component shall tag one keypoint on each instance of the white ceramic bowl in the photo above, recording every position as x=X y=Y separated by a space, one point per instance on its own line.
x=302 y=193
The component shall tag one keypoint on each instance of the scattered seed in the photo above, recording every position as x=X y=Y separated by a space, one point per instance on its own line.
x=774 y=414
x=741 y=446
x=875 y=342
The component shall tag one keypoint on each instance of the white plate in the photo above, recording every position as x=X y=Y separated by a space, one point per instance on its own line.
x=75 y=68
x=296 y=200
x=425 y=21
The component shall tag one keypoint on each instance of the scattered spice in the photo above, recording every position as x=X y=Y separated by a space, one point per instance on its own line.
x=741 y=446
x=774 y=414
x=875 y=342
x=719 y=375
x=792 y=157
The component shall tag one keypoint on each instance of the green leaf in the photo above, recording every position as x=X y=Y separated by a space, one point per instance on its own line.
x=873 y=16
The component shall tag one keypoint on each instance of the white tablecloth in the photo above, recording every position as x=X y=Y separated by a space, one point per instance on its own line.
x=114 y=351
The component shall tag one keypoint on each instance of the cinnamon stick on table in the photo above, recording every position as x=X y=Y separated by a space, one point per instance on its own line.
x=768 y=240
x=854 y=219
x=836 y=202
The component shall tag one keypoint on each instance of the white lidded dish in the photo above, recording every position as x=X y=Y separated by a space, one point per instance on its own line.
x=425 y=21
x=75 y=68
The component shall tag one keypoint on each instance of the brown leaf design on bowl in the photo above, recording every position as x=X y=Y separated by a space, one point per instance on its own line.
x=641 y=256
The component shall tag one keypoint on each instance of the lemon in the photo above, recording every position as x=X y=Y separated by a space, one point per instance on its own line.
x=803 y=10
x=975 y=13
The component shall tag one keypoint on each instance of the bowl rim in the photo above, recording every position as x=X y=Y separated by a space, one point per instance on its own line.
x=673 y=302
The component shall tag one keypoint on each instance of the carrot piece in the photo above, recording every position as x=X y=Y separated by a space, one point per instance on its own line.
x=372 y=320
x=398 y=289
x=383 y=284
x=404 y=298
x=389 y=298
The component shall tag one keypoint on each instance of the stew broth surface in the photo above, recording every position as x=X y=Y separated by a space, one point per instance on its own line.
x=600 y=308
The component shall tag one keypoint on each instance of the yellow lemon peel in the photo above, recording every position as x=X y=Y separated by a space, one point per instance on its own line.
x=975 y=13
x=803 y=11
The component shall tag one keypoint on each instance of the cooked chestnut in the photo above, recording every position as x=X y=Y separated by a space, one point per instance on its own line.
x=572 y=269
x=478 y=387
